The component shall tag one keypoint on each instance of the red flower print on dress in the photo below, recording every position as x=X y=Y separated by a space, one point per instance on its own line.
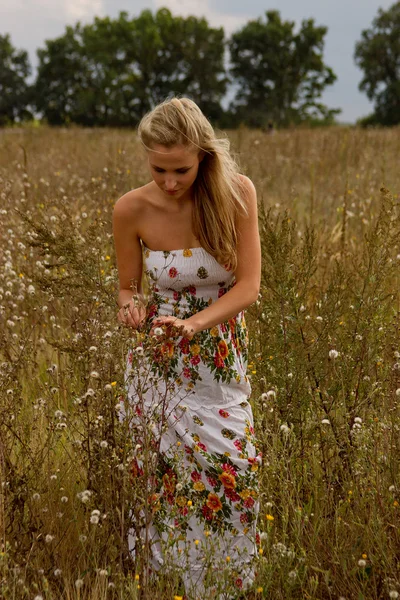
x=239 y=583
x=184 y=345
x=223 y=413
x=207 y=513
x=238 y=445
x=249 y=502
x=244 y=518
x=173 y=272
x=232 y=495
x=218 y=361
x=211 y=481
x=195 y=476
x=229 y=469
x=186 y=373
x=176 y=296
x=195 y=360
x=221 y=292
x=202 y=446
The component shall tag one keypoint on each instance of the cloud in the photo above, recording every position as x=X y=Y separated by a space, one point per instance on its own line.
x=81 y=10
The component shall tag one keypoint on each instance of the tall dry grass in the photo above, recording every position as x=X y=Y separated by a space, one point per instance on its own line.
x=325 y=365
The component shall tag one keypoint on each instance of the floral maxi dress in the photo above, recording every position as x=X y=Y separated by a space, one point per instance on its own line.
x=195 y=402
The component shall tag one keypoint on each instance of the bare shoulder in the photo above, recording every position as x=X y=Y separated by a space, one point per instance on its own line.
x=131 y=204
x=248 y=186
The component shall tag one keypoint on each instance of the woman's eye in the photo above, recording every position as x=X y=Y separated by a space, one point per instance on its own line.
x=182 y=171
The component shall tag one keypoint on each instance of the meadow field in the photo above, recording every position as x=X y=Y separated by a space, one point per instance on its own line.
x=324 y=365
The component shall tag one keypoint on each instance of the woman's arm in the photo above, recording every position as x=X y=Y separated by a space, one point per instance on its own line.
x=247 y=275
x=129 y=257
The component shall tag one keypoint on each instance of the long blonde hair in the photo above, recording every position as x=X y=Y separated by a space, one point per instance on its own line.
x=218 y=192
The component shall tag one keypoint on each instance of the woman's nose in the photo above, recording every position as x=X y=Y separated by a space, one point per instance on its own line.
x=170 y=183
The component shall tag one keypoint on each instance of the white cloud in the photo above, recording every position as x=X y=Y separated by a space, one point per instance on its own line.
x=77 y=10
x=185 y=8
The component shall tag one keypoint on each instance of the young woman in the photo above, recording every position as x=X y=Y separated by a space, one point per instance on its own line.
x=193 y=231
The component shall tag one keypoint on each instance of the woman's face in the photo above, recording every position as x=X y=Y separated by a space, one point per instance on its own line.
x=174 y=169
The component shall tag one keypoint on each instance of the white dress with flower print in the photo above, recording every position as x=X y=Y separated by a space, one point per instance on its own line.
x=206 y=496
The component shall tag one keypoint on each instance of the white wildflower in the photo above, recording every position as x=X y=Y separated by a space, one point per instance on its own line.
x=93 y=349
x=285 y=429
x=57 y=572
x=393 y=594
x=103 y=572
x=78 y=583
x=357 y=420
x=94 y=519
x=49 y=538
x=64 y=499
x=94 y=374
x=392 y=488
x=325 y=422
x=158 y=331
x=103 y=444
x=333 y=354
x=362 y=563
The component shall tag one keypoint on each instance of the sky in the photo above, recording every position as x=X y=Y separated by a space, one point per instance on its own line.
x=31 y=22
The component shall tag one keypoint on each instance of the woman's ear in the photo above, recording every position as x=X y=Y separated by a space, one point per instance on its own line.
x=201 y=155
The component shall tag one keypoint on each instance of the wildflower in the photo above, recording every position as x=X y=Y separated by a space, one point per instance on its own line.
x=108 y=387
x=325 y=422
x=139 y=351
x=31 y=290
x=64 y=499
x=36 y=496
x=259 y=590
x=49 y=538
x=94 y=374
x=103 y=572
x=292 y=575
x=38 y=597
x=59 y=414
x=362 y=563
x=103 y=444
x=158 y=331
x=57 y=572
x=392 y=488
x=285 y=429
x=333 y=354
x=92 y=349
x=82 y=538
x=269 y=517
x=228 y=559
x=357 y=420
x=78 y=583
x=393 y=594
x=398 y=392
x=137 y=577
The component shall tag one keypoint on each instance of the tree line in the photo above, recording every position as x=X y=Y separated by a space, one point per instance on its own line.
x=112 y=71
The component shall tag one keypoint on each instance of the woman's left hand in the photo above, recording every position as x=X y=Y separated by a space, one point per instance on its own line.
x=174 y=327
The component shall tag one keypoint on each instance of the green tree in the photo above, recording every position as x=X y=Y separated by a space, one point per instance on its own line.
x=280 y=75
x=14 y=90
x=378 y=55
x=113 y=71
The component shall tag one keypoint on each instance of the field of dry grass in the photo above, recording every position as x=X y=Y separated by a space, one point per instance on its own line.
x=324 y=350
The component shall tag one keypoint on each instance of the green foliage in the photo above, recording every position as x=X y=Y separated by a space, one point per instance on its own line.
x=378 y=56
x=14 y=91
x=112 y=72
x=280 y=73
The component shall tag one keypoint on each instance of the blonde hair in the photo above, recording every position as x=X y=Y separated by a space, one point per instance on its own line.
x=218 y=191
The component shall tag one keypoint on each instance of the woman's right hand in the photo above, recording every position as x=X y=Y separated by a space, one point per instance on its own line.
x=132 y=314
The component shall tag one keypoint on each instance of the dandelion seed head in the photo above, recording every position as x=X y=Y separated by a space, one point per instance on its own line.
x=362 y=563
